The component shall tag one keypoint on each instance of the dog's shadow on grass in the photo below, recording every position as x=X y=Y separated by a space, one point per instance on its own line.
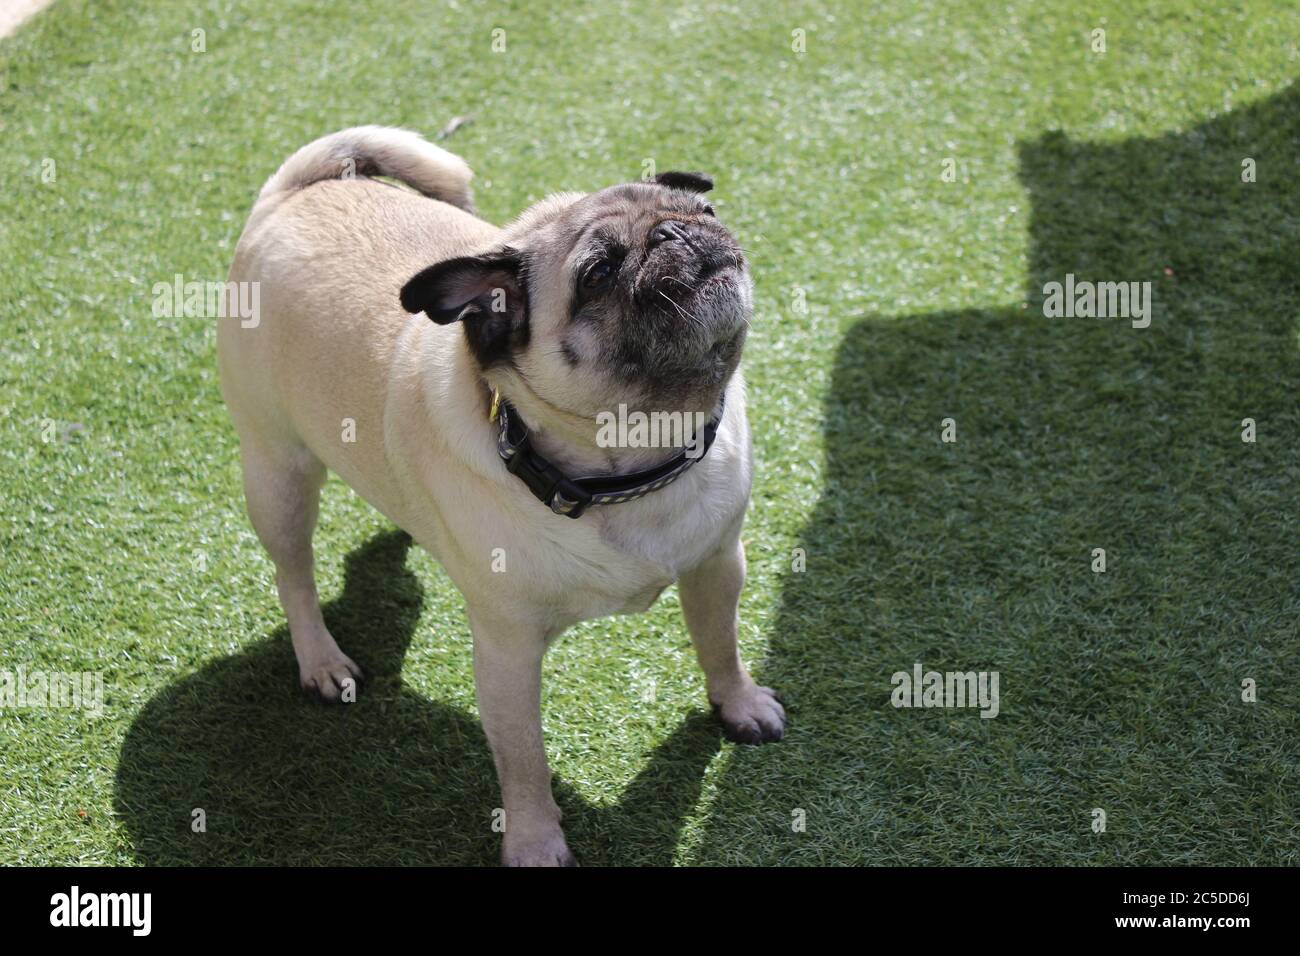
x=233 y=766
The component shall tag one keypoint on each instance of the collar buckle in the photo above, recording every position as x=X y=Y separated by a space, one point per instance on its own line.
x=547 y=483
x=568 y=499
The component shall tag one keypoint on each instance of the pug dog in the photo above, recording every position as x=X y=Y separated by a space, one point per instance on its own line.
x=459 y=376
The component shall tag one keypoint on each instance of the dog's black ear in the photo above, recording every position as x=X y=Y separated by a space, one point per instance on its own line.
x=692 y=182
x=485 y=292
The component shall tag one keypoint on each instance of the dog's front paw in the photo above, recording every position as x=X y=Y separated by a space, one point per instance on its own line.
x=545 y=849
x=332 y=679
x=751 y=715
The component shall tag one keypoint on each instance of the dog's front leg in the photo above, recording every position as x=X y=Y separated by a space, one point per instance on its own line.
x=710 y=595
x=508 y=676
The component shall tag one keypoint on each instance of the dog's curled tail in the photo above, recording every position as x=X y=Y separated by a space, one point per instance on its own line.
x=377 y=151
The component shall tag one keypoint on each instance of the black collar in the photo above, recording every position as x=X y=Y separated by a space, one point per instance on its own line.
x=572 y=496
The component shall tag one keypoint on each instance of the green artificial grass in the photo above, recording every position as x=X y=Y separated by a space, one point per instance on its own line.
x=887 y=299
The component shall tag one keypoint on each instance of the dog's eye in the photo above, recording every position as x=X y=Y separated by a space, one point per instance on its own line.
x=597 y=273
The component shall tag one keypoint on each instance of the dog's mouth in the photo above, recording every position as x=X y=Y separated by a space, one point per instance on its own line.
x=709 y=280
x=713 y=269
x=719 y=278
x=697 y=301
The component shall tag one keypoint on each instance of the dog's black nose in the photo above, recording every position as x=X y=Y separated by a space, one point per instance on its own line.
x=670 y=230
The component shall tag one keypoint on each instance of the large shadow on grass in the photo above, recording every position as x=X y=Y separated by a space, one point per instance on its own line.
x=392 y=779
x=1120 y=690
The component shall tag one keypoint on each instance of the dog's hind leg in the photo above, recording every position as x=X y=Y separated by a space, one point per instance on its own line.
x=282 y=488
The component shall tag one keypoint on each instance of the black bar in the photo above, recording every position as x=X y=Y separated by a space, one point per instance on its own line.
x=942 y=904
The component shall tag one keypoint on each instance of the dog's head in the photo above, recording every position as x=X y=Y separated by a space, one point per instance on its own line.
x=635 y=293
